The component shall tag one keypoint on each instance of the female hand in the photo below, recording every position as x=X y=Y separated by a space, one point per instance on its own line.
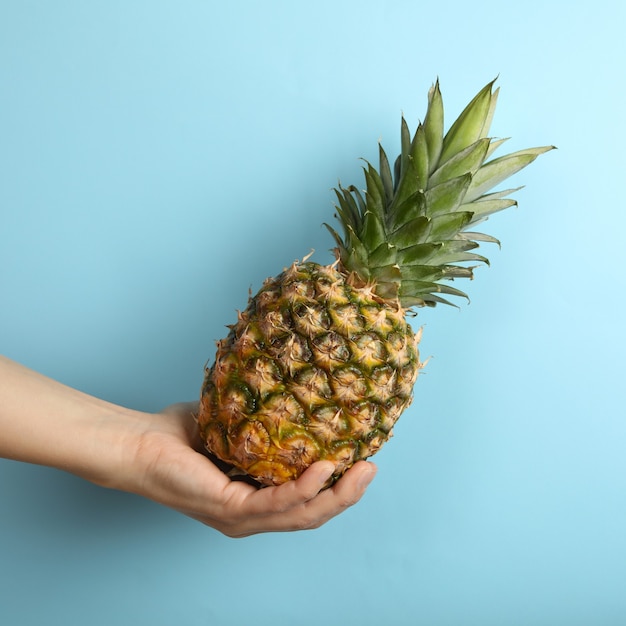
x=169 y=468
x=158 y=456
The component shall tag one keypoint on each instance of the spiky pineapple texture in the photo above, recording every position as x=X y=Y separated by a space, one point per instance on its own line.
x=313 y=369
x=322 y=362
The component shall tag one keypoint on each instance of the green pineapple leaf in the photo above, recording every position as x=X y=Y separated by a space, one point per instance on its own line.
x=385 y=175
x=419 y=156
x=385 y=254
x=494 y=172
x=408 y=186
x=375 y=193
x=446 y=225
x=405 y=149
x=466 y=161
x=415 y=231
x=447 y=197
x=433 y=126
x=483 y=208
x=411 y=208
x=409 y=230
x=470 y=236
x=418 y=254
x=468 y=127
x=492 y=110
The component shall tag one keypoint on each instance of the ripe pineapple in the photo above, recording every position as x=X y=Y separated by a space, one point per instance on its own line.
x=322 y=362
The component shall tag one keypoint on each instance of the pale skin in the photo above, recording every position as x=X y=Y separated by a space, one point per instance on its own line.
x=157 y=456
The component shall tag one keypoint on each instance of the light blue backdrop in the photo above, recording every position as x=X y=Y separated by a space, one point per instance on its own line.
x=157 y=159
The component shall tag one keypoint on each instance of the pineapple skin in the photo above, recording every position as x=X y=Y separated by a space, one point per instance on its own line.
x=317 y=367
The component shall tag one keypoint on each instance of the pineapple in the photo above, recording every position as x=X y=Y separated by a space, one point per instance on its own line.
x=322 y=362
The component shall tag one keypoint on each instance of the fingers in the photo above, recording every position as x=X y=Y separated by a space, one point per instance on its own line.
x=299 y=505
x=297 y=492
x=352 y=486
x=167 y=469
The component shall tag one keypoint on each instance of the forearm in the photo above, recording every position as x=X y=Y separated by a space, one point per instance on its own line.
x=47 y=423
x=154 y=455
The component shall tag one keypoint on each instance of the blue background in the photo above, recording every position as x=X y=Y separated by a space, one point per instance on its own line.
x=157 y=159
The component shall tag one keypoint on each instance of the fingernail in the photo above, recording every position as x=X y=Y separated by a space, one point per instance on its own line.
x=327 y=473
x=367 y=477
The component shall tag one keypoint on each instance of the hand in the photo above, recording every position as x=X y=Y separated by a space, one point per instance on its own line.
x=158 y=456
x=168 y=467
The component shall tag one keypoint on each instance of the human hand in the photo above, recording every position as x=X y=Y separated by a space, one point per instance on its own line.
x=168 y=466
x=158 y=456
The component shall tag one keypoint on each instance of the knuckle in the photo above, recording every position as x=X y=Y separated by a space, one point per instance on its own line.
x=347 y=502
x=308 y=523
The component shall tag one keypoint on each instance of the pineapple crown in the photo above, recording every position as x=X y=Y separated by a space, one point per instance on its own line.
x=407 y=232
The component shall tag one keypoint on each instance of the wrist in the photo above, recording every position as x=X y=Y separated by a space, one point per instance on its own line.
x=111 y=439
x=47 y=423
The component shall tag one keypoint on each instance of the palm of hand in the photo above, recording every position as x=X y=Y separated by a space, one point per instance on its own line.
x=174 y=471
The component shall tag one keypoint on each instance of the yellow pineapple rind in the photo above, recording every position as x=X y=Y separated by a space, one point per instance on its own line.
x=317 y=367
